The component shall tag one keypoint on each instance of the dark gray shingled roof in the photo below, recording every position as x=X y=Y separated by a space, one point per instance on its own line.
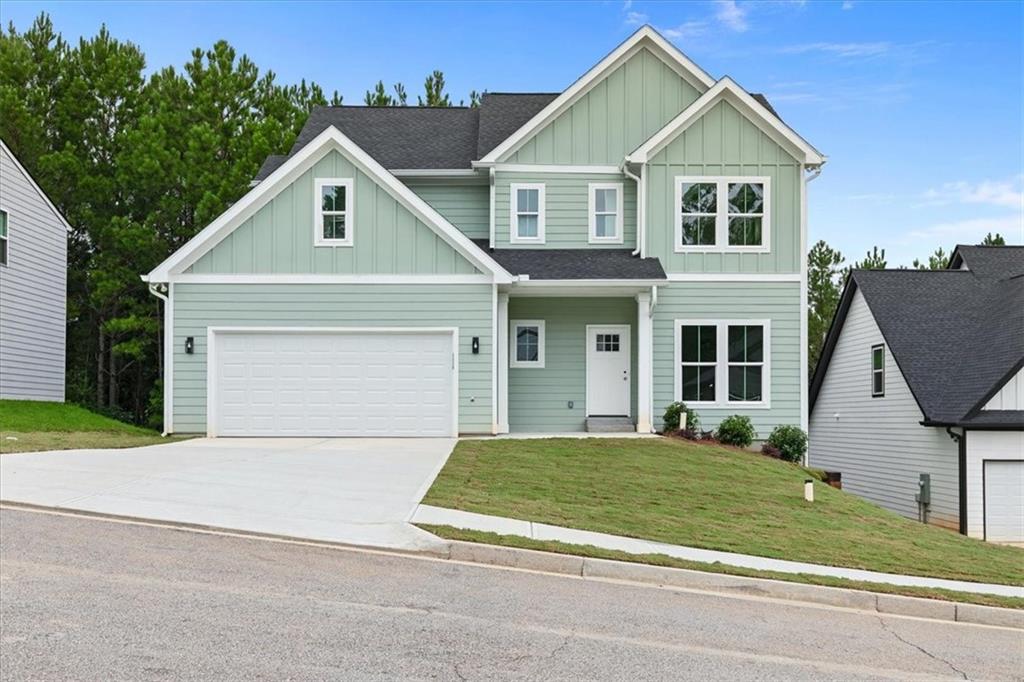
x=503 y=113
x=575 y=263
x=956 y=335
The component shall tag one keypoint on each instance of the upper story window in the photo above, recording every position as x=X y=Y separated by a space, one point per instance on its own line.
x=3 y=237
x=730 y=353
x=722 y=214
x=332 y=210
x=605 y=210
x=527 y=343
x=527 y=213
x=878 y=370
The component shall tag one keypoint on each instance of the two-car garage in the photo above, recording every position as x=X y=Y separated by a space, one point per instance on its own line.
x=332 y=382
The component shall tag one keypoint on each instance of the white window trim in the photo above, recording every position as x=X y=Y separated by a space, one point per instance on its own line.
x=722 y=363
x=513 y=332
x=318 y=226
x=592 y=212
x=722 y=214
x=874 y=347
x=5 y=237
x=513 y=229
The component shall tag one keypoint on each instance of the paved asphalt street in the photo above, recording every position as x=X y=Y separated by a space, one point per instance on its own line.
x=90 y=599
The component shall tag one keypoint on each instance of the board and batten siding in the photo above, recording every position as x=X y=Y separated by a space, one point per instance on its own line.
x=538 y=397
x=778 y=302
x=566 y=209
x=989 y=446
x=878 y=444
x=1010 y=396
x=723 y=142
x=466 y=306
x=387 y=238
x=466 y=206
x=613 y=118
x=33 y=291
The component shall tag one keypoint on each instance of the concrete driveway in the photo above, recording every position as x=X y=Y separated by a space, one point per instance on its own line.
x=358 y=491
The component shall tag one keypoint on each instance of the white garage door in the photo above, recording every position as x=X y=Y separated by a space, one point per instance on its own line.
x=1004 y=501
x=333 y=384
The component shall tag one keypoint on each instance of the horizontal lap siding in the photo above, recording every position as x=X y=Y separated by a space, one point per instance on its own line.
x=878 y=444
x=567 y=212
x=538 y=397
x=33 y=292
x=775 y=301
x=199 y=306
x=467 y=207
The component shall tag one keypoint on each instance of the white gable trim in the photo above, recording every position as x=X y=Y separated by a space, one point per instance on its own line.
x=645 y=37
x=31 y=181
x=329 y=140
x=727 y=90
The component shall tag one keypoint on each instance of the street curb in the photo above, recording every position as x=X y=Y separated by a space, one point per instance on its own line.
x=585 y=567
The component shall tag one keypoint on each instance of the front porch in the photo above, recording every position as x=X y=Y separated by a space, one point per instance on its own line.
x=566 y=356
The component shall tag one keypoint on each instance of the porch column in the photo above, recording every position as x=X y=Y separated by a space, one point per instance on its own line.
x=502 y=346
x=644 y=366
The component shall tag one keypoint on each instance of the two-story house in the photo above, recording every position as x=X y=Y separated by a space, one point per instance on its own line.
x=537 y=264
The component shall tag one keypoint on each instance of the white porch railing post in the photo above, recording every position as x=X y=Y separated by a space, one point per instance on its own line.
x=502 y=342
x=644 y=364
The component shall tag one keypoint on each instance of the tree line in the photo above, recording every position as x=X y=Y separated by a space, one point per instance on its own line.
x=138 y=164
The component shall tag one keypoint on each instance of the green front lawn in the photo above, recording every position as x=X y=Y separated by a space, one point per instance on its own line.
x=714 y=497
x=32 y=426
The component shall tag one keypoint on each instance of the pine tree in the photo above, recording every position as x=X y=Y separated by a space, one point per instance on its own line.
x=824 y=286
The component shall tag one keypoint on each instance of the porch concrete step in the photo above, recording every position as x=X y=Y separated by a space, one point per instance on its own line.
x=610 y=425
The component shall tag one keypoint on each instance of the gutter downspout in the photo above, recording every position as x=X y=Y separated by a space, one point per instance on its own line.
x=639 y=205
x=154 y=288
x=961 y=441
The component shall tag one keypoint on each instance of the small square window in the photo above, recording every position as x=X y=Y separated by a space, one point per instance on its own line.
x=333 y=212
x=607 y=343
x=526 y=343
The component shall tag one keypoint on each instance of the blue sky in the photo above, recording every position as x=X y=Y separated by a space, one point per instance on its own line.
x=917 y=105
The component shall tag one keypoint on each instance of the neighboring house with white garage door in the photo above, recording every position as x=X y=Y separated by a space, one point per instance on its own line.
x=923 y=373
x=33 y=287
x=543 y=262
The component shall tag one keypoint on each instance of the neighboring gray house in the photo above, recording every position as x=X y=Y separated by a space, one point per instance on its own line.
x=33 y=291
x=922 y=374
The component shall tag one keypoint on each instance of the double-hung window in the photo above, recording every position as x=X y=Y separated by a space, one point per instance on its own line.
x=722 y=214
x=527 y=225
x=527 y=343
x=878 y=371
x=722 y=362
x=3 y=238
x=332 y=212
x=605 y=213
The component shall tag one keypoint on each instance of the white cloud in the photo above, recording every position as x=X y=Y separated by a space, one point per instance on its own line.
x=1002 y=193
x=971 y=230
x=841 y=49
x=635 y=18
x=689 y=29
x=847 y=4
x=731 y=15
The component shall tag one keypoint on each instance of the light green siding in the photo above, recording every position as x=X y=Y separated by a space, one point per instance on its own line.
x=468 y=307
x=567 y=219
x=775 y=301
x=725 y=143
x=538 y=397
x=387 y=238
x=614 y=117
x=465 y=206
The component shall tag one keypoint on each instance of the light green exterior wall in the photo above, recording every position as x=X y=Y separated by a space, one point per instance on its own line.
x=387 y=238
x=725 y=143
x=538 y=398
x=567 y=218
x=466 y=206
x=614 y=117
x=466 y=306
x=776 y=301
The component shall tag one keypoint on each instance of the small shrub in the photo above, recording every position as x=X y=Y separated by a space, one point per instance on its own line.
x=736 y=430
x=672 y=414
x=771 y=451
x=790 y=441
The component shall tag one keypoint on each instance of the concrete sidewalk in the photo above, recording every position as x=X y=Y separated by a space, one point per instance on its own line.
x=538 y=531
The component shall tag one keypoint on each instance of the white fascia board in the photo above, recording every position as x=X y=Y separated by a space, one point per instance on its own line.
x=588 y=282
x=329 y=140
x=35 y=186
x=190 y=278
x=728 y=90
x=435 y=173
x=549 y=168
x=645 y=36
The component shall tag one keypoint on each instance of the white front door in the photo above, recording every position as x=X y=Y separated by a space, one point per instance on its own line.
x=608 y=363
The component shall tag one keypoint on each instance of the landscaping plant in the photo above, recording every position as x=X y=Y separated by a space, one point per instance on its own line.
x=672 y=416
x=736 y=430
x=790 y=442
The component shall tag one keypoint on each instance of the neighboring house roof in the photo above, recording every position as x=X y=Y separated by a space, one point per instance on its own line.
x=957 y=335
x=565 y=264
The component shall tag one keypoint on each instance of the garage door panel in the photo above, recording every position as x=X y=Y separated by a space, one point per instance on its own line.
x=333 y=384
x=1004 y=500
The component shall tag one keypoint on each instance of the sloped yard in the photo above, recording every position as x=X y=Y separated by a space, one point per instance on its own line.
x=33 y=426
x=706 y=496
